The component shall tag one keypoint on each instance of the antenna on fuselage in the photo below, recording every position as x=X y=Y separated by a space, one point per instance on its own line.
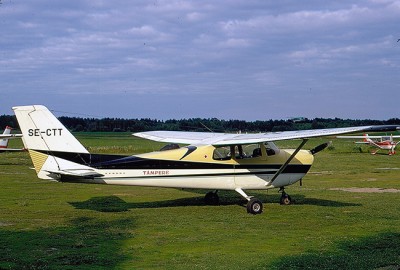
x=209 y=129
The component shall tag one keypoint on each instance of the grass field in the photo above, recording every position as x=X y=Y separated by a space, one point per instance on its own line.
x=50 y=225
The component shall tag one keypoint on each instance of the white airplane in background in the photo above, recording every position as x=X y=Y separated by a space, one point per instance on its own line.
x=4 y=140
x=381 y=142
x=212 y=161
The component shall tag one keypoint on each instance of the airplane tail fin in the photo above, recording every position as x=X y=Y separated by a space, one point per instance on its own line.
x=4 y=142
x=366 y=138
x=49 y=142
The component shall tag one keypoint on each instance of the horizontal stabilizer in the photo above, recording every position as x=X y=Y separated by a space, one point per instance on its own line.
x=84 y=173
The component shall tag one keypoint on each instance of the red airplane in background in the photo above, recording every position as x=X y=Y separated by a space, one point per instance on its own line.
x=4 y=140
x=381 y=142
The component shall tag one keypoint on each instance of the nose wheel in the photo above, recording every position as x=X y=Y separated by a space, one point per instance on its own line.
x=285 y=198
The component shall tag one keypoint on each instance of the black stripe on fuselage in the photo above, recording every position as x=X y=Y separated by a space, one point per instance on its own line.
x=119 y=162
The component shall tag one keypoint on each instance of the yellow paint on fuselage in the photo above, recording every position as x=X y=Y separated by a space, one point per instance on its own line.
x=205 y=154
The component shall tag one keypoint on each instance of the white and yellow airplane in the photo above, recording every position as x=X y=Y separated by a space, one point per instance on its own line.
x=4 y=140
x=212 y=161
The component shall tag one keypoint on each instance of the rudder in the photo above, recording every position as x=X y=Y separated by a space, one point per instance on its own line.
x=44 y=136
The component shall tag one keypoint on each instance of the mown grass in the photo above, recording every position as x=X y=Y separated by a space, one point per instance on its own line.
x=49 y=225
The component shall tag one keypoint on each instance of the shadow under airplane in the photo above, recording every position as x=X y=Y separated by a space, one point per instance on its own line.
x=116 y=204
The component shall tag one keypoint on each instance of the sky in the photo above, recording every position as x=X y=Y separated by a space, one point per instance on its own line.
x=240 y=59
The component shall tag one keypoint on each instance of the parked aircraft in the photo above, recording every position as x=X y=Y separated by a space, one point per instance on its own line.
x=381 y=142
x=4 y=140
x=211 y=161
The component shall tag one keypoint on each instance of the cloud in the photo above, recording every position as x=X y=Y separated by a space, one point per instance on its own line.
x=184 y=51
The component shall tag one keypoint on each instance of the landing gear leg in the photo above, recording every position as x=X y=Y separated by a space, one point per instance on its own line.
x=285 y=198
x=254 y=205
x=212 y=198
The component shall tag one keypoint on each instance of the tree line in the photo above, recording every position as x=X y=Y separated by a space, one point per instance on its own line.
x=77 y=124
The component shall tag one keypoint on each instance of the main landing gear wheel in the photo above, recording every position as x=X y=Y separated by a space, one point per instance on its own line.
x=254 y=206
x=211 y=198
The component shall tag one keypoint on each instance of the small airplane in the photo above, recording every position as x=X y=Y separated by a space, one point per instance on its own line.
x=4 y=140
x=211 y=161
x=381 y=142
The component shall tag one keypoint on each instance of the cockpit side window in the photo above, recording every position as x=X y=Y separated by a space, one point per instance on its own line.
x=250 y=151
x=237 y=152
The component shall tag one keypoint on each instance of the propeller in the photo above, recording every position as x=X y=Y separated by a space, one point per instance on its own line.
x=320 y=147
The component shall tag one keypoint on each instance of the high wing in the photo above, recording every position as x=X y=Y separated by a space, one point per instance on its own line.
x=219 y=139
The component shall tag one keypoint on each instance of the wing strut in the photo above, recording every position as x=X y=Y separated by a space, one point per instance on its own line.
x=287 y=162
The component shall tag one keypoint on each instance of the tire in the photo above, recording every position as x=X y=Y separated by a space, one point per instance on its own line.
x=254 y=206
x=285 y=199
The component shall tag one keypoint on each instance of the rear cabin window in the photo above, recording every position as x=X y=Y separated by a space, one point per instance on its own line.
x=222 y=153
x=170 y=146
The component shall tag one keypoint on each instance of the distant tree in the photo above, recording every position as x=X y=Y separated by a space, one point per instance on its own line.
x=199 y=124
x=8 y=120
x=317 y=123
x=78 y=128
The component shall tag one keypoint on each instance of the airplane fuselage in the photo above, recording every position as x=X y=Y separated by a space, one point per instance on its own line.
x=386 y=145
x=202 y=167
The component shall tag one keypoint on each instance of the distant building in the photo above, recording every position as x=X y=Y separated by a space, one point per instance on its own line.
x=297 y=119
